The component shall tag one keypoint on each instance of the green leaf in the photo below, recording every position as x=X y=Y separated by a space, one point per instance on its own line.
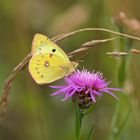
x=89 y=110
x=90 y=137
x=120 y=128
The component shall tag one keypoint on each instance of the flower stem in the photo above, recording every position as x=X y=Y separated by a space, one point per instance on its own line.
x=78 y=121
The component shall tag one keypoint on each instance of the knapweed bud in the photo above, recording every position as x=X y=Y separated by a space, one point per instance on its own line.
x=84 y=100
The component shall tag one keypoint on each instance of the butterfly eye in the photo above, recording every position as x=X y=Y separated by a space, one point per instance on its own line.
x=53 y=50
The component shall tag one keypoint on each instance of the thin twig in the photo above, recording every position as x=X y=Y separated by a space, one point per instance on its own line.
x=24 y=62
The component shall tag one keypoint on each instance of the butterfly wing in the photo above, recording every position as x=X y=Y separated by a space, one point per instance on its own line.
x=42 y=44
x=46 y=68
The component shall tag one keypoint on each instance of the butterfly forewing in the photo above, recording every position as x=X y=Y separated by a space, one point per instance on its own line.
x=42 y=44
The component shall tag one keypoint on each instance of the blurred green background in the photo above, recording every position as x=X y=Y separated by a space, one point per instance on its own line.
x=32 y=114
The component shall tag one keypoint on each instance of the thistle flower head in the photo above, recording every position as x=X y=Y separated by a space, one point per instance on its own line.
x=86 y=86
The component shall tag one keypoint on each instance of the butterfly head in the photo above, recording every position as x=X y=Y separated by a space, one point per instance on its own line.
x=69 y=68
x=74 y=64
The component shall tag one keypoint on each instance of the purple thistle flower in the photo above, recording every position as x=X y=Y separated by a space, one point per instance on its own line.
x=85 y=85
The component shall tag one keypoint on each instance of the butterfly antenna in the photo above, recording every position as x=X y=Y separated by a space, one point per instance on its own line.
x=79 y=61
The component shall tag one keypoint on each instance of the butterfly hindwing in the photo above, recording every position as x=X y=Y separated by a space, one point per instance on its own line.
x=47 y=68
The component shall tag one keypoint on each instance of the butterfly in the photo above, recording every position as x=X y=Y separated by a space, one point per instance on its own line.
x=49 y=62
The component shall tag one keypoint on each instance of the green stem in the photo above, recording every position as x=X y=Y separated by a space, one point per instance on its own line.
x=116 y=130
x=78 y=122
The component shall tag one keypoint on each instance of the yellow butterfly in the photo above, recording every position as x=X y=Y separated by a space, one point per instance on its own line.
x=49 y=62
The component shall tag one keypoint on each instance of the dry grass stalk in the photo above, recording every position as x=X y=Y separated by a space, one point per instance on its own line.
x=85 y=46
x=63 y=36
x=117 y=54
x=135 y=51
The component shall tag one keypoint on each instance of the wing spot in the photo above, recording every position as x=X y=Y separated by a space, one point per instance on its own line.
x=46 y=64
x=38 y=72
x=53 y=50
x=42 y=76
x=36 y=68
